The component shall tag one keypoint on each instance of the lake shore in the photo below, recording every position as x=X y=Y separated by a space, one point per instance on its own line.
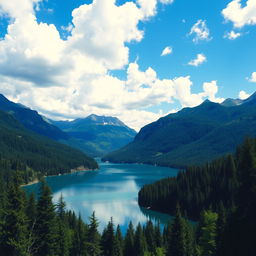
x=78 y=169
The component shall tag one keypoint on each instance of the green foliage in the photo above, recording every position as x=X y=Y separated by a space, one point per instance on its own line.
x=193 y=136
x=208 y=233
x=33 y=155
x=91 y=136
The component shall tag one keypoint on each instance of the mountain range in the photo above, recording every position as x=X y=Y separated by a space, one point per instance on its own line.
x=94 y=135
x=34 y=155
x=192 y=136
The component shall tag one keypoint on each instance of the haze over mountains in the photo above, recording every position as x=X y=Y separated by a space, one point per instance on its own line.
x=193 y=135
x=94 y=135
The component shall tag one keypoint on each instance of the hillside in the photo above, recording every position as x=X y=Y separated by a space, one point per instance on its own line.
x=31 y=119
x=198 y=135
x=34 y=155
x=96 y=135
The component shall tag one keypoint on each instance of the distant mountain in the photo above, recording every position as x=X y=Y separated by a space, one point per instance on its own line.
x=193 y=135
x=34 y=155
x=96 y=135
x=31 y=119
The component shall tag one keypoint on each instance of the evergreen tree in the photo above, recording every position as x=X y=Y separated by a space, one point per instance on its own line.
x=129 y=241
x=150 y=237
x=63 y=235
x=177 y=243
x=93 y=239
x=208 y=233
x=14 y=240
x=140 y=243
x=45 y=228
x=79 y=238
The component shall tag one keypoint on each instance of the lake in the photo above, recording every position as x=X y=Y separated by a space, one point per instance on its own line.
x=112 y=191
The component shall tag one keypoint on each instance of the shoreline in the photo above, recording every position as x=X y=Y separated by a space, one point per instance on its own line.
x=72 y=171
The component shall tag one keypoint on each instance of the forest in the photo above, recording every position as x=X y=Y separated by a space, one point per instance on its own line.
x=42 y=228
x=226 y=186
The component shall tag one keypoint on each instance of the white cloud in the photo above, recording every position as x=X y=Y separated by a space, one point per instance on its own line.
x=243 y=95
x=200 y=31
x=166 y=51
x=16 y=9
x=211 y=89
x=200 y=59
x=253 y=77
x=166 y=1
x=73 y=76
x=240 y=16
x=232 y=35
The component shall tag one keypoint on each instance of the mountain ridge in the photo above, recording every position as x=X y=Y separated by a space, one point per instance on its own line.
x=198 y=135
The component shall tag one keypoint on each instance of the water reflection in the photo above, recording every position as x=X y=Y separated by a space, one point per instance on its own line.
x=110 y=192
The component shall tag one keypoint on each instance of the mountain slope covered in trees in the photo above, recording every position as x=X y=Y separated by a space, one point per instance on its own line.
x=227 y=186
x=34 y=155
x=96 y=135
x=193 y=135
x=31 y=119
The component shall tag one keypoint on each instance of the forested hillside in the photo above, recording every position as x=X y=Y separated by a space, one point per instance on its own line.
x=34 y=155
x=227 y=186
x=192 y=136
x=42 y=228
x=96 y=135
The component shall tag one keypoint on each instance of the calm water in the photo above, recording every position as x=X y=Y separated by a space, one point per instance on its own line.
x=110 y=192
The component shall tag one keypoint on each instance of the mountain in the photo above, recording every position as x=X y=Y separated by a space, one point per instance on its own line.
x=192 y=136
x=31 y=119
x=96 y=135
x=34 y=155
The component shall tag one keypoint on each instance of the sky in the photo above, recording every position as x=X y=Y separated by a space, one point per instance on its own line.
x=137 y=60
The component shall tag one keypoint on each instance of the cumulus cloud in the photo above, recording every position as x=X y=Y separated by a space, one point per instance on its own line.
x=16 y=9
x=200 y=31
x=211 y=89
x=243 y=95
x=200 y=59
x=253 y=77
x=232 y=35
x=166 y=51
x=72 y=76
x=239 y=15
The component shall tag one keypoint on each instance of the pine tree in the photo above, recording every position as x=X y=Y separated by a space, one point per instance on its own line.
x=119 y=240
x=45 y=228
x=15 y=232
x=177 y=243
x=63 y=236
x=208 y=233
x=140 y=243
x=129 y=241
x=150 y=237
x=93 y=239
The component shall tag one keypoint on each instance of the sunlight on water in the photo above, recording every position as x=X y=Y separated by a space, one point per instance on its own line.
x=110 y=192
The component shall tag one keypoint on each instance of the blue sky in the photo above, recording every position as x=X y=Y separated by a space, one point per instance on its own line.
x=68 y=59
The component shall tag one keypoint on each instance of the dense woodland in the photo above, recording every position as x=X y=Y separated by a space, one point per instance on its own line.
x=34 y=155
x=226 y=186
x=41 y=228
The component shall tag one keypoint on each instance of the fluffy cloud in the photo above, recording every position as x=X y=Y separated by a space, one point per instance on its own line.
x=200 y=31
x=15 y=9
x=253 y=77
x=211 y=89
x=243 y=95
x=166 y=51
x=72 y=76
x=238 y=15
x=232 y=35
x=200 y=59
